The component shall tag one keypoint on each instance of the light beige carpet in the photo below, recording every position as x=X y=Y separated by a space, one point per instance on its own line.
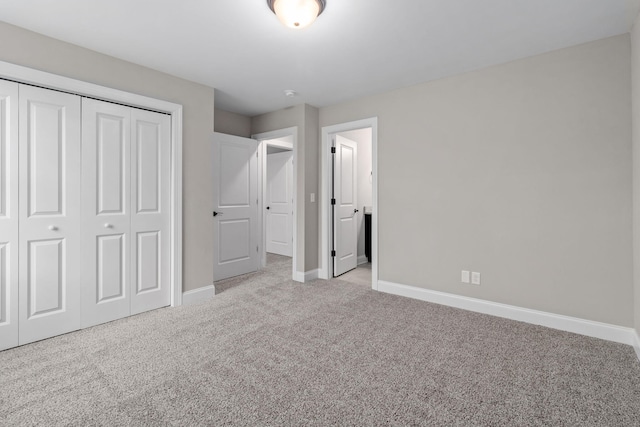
x=268 y=351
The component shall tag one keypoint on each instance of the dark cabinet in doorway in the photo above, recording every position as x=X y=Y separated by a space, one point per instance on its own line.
x=367 y=236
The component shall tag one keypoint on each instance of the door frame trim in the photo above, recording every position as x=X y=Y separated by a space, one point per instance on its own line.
x=262 y=186
x=326 y=266
x=47 y=80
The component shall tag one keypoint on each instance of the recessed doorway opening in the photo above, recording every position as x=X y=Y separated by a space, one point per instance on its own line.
x=278 y=197
x=349 y=201
x=277 y=206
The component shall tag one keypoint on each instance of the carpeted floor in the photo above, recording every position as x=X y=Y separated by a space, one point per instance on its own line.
x=268 y=351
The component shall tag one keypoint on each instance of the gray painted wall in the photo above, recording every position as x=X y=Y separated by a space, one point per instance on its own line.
x=232 y=123
x=43 y=53
x=521 y=172
x=635 y=44
x=312 y=185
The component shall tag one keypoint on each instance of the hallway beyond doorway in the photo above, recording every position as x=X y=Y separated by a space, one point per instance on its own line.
x=277 y=266
x=361 y=275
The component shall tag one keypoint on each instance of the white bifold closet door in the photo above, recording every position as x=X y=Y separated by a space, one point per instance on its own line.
x=150 y=204
x=85 y=198
x=49 y=220
x=126 y=200
x=106 y=199
x=8 y=214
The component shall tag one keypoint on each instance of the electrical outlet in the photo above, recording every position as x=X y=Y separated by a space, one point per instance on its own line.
x=465 y=276
x=475 y=278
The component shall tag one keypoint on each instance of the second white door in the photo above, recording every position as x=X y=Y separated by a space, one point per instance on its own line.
x=235 y=198
x=279 y=203
x=345 y=223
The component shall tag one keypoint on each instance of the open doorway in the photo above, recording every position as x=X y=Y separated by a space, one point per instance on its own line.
x=278 y=198
x=277 y=202
x=349 y=202
x=352 y=203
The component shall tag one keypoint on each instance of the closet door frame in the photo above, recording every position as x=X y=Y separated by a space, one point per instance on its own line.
x=9 y=213
x=27 y=75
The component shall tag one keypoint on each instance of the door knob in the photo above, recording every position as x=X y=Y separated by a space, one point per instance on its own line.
x=53 y=228
x=268 y=207
x=107 y=225
x=216 y=213
x=356 y=211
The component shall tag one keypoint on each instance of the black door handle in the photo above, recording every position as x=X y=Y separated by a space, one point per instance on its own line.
x=268 y=207
x=356 y=211
x=216 y=213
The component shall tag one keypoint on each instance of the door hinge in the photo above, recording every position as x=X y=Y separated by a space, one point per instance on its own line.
x=333 y=150
x=333 y=201
x=333 y=253
x=257 y=249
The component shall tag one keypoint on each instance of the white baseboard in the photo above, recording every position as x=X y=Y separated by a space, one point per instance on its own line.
x=636 y=344
x=198 y=295
x=311 y=275
x=308 y=276
x=362 y=259
x=589 y=328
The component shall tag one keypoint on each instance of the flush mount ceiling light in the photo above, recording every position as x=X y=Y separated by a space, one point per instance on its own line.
x=297 y=13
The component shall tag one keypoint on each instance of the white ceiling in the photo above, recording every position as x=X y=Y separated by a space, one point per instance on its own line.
x=355 y=48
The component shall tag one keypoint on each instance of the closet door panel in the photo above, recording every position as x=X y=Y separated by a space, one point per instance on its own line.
x=150 y=220
x=45 y=277
x=8 y=214
x=148 y=161
x=50 y=245
x=106 y=200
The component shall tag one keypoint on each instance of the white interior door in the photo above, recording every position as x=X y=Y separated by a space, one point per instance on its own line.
x=235 y=198
x=150 y=210
x=279 y=203
x=106 y=200
x=50 y=235
x=345 y=220
x=8 y=214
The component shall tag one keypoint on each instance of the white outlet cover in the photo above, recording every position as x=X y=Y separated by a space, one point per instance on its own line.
x=475 y=278
x=465 y=276
x=313 y=197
